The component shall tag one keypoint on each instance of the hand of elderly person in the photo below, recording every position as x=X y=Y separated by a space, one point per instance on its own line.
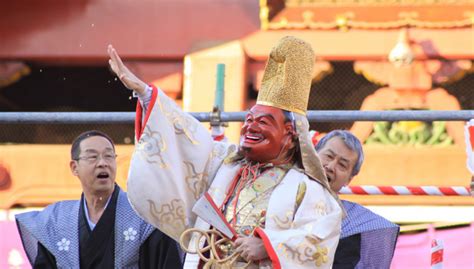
x=251 y=248
x=128 y=79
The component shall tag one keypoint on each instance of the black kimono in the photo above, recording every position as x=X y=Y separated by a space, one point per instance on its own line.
x=97 y=246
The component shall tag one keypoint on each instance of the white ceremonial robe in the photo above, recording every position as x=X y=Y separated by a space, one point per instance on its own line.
x=176 y=161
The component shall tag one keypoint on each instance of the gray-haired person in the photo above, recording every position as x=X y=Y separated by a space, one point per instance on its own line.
x=367 y=239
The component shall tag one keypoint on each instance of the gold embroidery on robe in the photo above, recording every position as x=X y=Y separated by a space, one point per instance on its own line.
x=321 y=255
x=300 y=194
x=151 y=147
x=182 y=123
x=286 y=223
x=253 y=201
x=171 y=217
x=196 y=182
x=321 y=208
x=309 y=250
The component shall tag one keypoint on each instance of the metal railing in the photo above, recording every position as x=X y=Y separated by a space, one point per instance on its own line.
x=313 y=116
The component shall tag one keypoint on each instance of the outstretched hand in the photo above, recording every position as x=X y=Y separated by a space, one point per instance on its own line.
x=128 y=79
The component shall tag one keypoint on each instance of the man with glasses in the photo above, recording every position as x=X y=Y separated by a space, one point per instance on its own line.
x=101 y=230
x=367 y=239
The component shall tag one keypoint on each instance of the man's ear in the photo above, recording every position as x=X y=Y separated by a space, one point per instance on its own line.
x=290 y=129
x=291 y=132
x=73 y=166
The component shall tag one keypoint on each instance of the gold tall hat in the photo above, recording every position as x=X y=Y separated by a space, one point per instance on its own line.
x=286 y=85
x=287 y=79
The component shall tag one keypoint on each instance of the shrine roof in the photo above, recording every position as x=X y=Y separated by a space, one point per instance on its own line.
x=368 y=14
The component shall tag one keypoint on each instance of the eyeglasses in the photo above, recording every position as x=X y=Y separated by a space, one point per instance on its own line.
x=94 y=158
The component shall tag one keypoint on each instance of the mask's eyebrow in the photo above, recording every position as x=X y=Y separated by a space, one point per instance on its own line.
x=265 y=115
x=259 y=115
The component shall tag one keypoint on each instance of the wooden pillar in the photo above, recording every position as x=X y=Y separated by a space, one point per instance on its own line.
x=200 y=81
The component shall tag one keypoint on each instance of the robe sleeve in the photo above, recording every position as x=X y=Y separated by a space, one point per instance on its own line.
x=171 y=167
x=44 y=259
x=377 y=248
x=160 y=251
x=347 y=252
x=310 y=239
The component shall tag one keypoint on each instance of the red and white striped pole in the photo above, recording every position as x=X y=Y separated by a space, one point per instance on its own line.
x=437 y=250
x=407 y=190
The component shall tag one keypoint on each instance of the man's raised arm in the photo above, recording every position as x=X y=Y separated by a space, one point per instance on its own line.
x=172 y=163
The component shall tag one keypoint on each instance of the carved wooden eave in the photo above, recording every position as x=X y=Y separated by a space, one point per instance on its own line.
x=371 y=45
x=439 y=72
x=351 y=30
x=366 y=14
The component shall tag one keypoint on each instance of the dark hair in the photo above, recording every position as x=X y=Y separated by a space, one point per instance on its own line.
x=288 y=116
x=351 y=142
x=76 y=149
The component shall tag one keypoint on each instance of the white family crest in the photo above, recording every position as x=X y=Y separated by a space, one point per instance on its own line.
x=130 y=234
x=63 y=245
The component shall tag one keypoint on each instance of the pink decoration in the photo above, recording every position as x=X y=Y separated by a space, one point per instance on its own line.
x=12 y=254
x=413 y=251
